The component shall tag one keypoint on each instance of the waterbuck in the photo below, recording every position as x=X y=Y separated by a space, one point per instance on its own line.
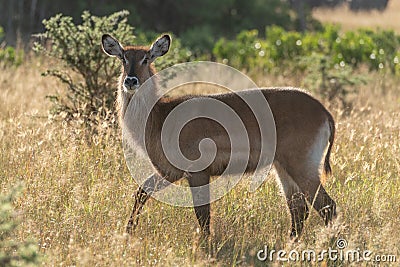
x=304 y=132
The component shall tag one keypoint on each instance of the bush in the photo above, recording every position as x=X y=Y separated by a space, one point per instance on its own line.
x=88 y=75
x=14 y=253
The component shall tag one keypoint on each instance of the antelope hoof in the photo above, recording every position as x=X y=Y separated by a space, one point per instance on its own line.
x=130 y=228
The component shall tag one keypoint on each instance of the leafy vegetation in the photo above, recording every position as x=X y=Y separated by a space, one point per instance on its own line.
x=12 y=252
x=87 y=74
x=9 y=56
x=280 y=48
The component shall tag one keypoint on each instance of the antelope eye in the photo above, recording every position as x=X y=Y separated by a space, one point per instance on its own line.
x=145 y=61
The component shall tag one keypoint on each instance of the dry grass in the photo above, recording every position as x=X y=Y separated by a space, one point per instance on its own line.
x=78 y=194
x=388 y=19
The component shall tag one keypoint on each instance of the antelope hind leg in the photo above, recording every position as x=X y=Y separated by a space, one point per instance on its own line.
x=323 y=204
x=201 y=200
x=316 y=195
x=295 y=199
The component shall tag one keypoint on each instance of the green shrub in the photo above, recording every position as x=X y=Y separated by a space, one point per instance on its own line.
x=376 y=49
x=13 y=253
x=89 y=76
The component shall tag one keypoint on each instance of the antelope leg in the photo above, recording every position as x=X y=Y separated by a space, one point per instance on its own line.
x=152 y=184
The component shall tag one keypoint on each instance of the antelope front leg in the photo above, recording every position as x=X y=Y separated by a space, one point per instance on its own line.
x=140 y=199
x=152 y=184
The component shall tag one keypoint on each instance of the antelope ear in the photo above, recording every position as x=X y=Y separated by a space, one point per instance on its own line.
x=160 y=47
x=111 y=46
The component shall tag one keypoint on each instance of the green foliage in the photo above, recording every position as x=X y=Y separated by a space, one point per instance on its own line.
x=9 y=56
x=87 y=73
x=376 y=49
x=13 y=253
x=333 y=54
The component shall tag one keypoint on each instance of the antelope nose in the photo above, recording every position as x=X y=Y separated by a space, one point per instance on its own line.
x=131 y=82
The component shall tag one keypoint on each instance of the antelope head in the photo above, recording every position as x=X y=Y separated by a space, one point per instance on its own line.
x=136 y=60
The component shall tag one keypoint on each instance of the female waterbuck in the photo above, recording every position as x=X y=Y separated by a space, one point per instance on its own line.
x=304 y=131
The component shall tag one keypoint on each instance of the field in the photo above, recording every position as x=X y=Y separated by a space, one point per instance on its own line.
x=78 y=191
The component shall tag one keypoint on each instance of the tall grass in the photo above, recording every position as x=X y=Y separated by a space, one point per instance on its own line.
x=78 y=189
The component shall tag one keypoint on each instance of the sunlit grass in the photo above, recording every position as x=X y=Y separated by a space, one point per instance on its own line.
x=388 y=19
x=77 y=196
